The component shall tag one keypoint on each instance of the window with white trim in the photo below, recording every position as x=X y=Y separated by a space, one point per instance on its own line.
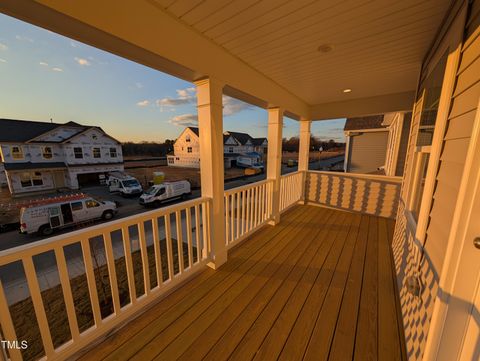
x=113 y=152
x=47 y=153
x=17 y=152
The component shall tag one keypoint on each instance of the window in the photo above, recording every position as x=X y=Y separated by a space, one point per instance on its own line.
x=37 y=179
x=91 y=203
x=47 y=152
x=161 y=191
x=230 y=149
x=17 y=152
x=28 y=179
x=189 y=150
x=25 y=180
x=171 y=161
x=78 y=152
x=113 y=152
x=96 y=153
x=77 y=206
x=187 y=138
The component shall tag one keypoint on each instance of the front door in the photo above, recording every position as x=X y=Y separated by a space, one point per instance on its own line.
x=59 y=179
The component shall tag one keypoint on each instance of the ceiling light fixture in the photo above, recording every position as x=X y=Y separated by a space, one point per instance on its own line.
x=325 y=48
x=348 y=90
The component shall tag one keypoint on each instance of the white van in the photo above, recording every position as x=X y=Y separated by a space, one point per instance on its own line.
x=123 y=183
x=51 y=214
x=159 y=193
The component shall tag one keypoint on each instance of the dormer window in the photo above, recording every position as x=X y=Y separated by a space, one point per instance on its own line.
x=47 y=153
x=17 y=152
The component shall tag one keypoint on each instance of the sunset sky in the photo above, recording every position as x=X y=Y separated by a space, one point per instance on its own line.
x=47 y=76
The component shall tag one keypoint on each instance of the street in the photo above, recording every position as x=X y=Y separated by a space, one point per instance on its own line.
x=12 y=275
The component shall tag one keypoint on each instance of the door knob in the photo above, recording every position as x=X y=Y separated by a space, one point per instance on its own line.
x=476 y=242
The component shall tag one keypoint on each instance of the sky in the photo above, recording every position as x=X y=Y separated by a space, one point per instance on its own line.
x=46 y=76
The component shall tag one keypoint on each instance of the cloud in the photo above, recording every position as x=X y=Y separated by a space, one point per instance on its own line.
x=143 y=103
x=3 y=47
x=2 y=60
x=42 y=63
x=184 y=96
x=139 y=85
x=184 y=120
x=233 y=106
x=57 y=69
x=24 y=38
x=82 y=61
x=73 y=44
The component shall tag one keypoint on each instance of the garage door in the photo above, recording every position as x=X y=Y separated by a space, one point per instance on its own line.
x=88 y=179
x=368 y=152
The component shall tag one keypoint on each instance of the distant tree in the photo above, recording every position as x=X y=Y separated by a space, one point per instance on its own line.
x=145 y=148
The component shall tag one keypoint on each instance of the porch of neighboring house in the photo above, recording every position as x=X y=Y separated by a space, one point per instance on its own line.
x=319 y=285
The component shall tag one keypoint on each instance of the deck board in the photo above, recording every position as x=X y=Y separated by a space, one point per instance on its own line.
x=318 y=286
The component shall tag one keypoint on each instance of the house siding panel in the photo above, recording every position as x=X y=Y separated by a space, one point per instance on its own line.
x=426 y=264
x=452 y=160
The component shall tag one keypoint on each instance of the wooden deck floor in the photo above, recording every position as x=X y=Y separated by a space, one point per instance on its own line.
x=318 y=286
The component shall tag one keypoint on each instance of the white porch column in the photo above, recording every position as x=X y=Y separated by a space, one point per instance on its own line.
x=274 y=158
x=304 y=152
x=210 y=124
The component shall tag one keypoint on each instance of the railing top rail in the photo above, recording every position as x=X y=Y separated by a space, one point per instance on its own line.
x=291 y=174
x=247 y=186
x=20 y=252
x=360 y=175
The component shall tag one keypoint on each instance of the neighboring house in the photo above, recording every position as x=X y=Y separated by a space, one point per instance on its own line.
x=260 y=145
x=41 y=156
x=377 y=144
x=238 y=148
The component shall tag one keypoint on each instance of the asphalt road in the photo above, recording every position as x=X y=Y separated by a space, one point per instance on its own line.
x=130 y=206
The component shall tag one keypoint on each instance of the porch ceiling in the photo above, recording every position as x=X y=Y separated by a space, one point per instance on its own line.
x=377 y=46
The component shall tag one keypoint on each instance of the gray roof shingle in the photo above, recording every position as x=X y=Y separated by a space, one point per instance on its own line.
x=368 y=122
x=13 y=130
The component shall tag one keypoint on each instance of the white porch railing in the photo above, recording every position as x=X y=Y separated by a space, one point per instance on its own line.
x=125 y=265
x=291 y=189
x=366 y=193
x=247 y=208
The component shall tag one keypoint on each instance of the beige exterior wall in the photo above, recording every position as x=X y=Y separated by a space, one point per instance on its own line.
x=426 y=266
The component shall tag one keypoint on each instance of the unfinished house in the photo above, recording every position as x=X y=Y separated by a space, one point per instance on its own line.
x=306 y=266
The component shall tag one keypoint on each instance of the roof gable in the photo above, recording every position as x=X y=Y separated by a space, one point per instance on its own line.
x=21 y=131
x=243 y=138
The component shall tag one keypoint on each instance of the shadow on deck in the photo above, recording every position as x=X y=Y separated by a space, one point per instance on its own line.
x=319 y=286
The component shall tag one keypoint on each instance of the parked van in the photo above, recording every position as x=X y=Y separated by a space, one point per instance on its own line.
x=123 y=183
x=159 y=193
x=49 y=215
